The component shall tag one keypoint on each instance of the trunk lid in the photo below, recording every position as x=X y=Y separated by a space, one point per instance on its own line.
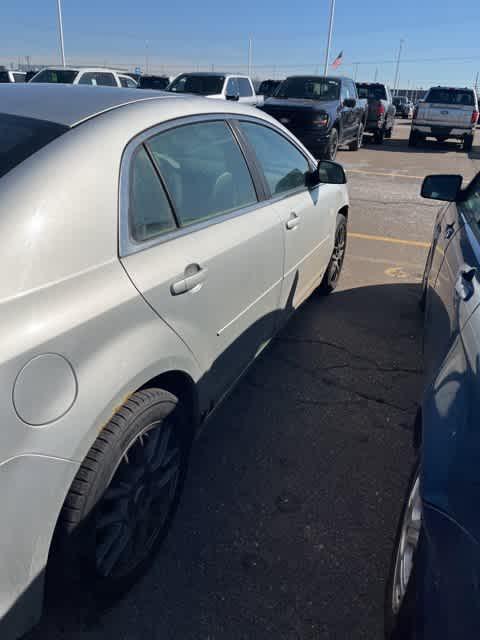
x=445 y=114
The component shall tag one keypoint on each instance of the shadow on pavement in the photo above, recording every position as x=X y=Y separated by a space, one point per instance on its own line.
x=286 y=526
x=428 y=146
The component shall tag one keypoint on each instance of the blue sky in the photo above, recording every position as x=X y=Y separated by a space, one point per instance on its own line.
x=440 y=38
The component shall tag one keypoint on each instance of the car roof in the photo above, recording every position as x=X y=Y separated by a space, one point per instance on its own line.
x=213 y=73
x=69 y=104
x=96 y=69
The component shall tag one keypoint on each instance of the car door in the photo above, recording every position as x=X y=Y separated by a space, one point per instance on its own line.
x=454 y=289
x=307 y=215
x=346 y=114
x=213 y=274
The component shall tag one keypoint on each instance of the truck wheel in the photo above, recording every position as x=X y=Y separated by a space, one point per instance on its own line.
x=468 y=143
x=125 y=493
x=378 y=136
x=413 y=139
x=332 y=146
x=357 y=143
x=389 y=132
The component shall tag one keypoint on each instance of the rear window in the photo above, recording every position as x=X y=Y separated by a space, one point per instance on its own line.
x=451 y=96
x=4 y=77
x=371 y=91
x=22 y=137
x=57 y=76
x=203 y=85
x=148 y=82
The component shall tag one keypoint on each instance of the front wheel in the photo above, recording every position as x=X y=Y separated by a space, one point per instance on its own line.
x=468 y=143
x=334 y=269
x=389 y=132
x=332 y=146
x=379 y=136
x=400 y=591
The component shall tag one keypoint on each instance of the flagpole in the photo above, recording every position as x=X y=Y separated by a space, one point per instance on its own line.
x=330 y=31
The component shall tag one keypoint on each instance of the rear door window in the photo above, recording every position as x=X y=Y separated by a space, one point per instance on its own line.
x=232 y=87
x=19 y=77
x=4 y=76
x=149 y=210
x=56 y=76
x=22 y=137
x=204 y=171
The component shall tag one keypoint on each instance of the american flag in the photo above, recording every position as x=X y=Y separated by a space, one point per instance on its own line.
x=338 y=60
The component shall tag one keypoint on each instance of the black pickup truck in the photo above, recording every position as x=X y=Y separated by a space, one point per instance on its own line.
x=381 y=110
x=323 y=112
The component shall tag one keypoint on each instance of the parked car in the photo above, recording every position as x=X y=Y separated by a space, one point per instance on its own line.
x=29 y=74
x=446 y=112
x=159 y=83
x=12 y=76
x=131 y=305
x=432 y=591
x=89 y=75
x=217 y=85
x=381 y=110
x=403 y=106
x=323 y=112
x=268 y=87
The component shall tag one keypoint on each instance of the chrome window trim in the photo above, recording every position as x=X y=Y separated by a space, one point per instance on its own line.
x=127 y=245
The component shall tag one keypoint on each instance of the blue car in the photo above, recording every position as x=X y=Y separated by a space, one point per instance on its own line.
x=433 y=591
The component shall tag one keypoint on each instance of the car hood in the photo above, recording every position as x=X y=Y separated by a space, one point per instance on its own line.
x=292 y=103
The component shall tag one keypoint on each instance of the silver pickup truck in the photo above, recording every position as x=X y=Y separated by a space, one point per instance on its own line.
x=446 y=112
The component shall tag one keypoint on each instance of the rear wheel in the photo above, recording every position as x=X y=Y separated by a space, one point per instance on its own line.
x=468 y=143
x=378 y=136
x=122 y=500
x=389 y=132
x=357 y=143
x=334 y=269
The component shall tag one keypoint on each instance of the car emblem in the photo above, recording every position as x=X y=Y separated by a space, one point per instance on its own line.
x=285 y=120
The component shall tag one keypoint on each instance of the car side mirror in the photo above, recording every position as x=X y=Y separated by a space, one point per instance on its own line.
x=349 y=102
x=327 y=172
x=233 y=96
x=442 y=187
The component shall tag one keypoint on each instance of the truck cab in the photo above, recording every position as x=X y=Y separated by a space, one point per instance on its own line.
x=221 y=86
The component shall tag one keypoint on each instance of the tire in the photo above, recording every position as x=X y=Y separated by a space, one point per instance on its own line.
x=332 y=146
x=332 y=274
x=389 y=132
x=468 y=143
x=413 y=139
x=357 y=143
x=399 y=603
x=114 y=518
x=379 y=136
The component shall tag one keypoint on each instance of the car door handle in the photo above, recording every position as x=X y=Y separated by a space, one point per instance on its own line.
x=449 y=230
x=464 y=286
x=193 y=276
x=293 y=221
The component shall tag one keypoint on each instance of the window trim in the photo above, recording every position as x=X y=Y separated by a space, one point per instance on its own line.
x=127 y=245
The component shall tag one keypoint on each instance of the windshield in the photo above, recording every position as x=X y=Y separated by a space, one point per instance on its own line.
x=451 y=96
x=21 y=137
x=371 y=91
x=203 y=85
x=309 y=89
x=58 y=76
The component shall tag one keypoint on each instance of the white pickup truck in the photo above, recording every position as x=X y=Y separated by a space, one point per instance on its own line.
x=221 y=86
x=446 y=112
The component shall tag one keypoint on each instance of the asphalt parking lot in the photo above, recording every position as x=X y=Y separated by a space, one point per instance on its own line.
x=286 y=526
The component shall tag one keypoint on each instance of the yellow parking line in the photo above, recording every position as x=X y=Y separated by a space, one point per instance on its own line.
x=388 y=175
x=411 y=243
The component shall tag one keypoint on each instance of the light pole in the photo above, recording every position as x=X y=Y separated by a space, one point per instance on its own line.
x=329 y=41
x=395 y=84
x=60 y=31
x=250 y=46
